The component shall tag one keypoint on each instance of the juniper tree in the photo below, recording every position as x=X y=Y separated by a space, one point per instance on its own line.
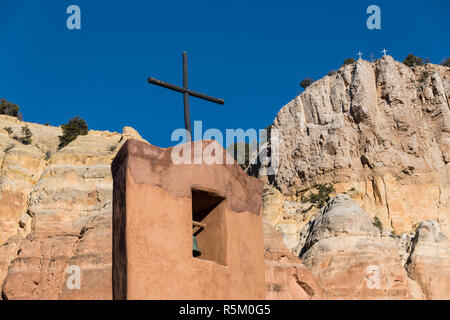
x=75 y=127
x=8 y=108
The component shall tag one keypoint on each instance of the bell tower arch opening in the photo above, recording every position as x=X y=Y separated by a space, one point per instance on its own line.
x=209 y=228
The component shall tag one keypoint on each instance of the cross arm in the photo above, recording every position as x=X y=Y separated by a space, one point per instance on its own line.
x=183 y=90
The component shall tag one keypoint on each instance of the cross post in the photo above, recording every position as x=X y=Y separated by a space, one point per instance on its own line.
x=186 y=93
x=187 y=117
x=384 y=52
x=359 y=54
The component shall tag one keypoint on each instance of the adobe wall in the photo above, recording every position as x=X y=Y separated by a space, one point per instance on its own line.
x=152 y=229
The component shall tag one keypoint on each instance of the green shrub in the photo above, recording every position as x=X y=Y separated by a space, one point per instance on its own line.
x=322 y=196
x=305 y=83
x=412 y=61
x=8 y=108
x=377 y=223
x=348 y=61
x=75 y=127
x=9 y=130
x=26 y=135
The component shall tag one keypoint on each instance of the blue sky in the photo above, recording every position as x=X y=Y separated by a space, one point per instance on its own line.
x=251 y=53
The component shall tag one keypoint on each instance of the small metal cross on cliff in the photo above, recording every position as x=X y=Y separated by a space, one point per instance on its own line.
x=186 y=93
x=359 y=54
x=384 y=52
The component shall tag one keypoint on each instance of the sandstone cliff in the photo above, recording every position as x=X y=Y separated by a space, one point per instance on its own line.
x=379 y=132
x=55 y=211
x=381 y=129
x=429 y=261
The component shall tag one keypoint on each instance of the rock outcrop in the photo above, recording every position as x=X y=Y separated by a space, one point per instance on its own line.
x=351 y=259
x=380 y=133
x=381 y=129
x=291 y=218
x=286 y=277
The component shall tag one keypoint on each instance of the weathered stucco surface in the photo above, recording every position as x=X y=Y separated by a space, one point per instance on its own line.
x=153 y=229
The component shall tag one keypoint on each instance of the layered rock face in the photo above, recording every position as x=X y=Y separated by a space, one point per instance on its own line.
x=381 y=129
x=351 y=259
x=380 y=133
x=429 y=261
x=55 y=212
x=286 y=277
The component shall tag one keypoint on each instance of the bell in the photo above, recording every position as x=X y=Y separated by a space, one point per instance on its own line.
x=195 y=250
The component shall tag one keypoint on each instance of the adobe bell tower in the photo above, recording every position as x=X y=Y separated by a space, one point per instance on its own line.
x=185 y=231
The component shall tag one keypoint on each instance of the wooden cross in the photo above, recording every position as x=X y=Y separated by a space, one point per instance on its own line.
x=186 y=93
